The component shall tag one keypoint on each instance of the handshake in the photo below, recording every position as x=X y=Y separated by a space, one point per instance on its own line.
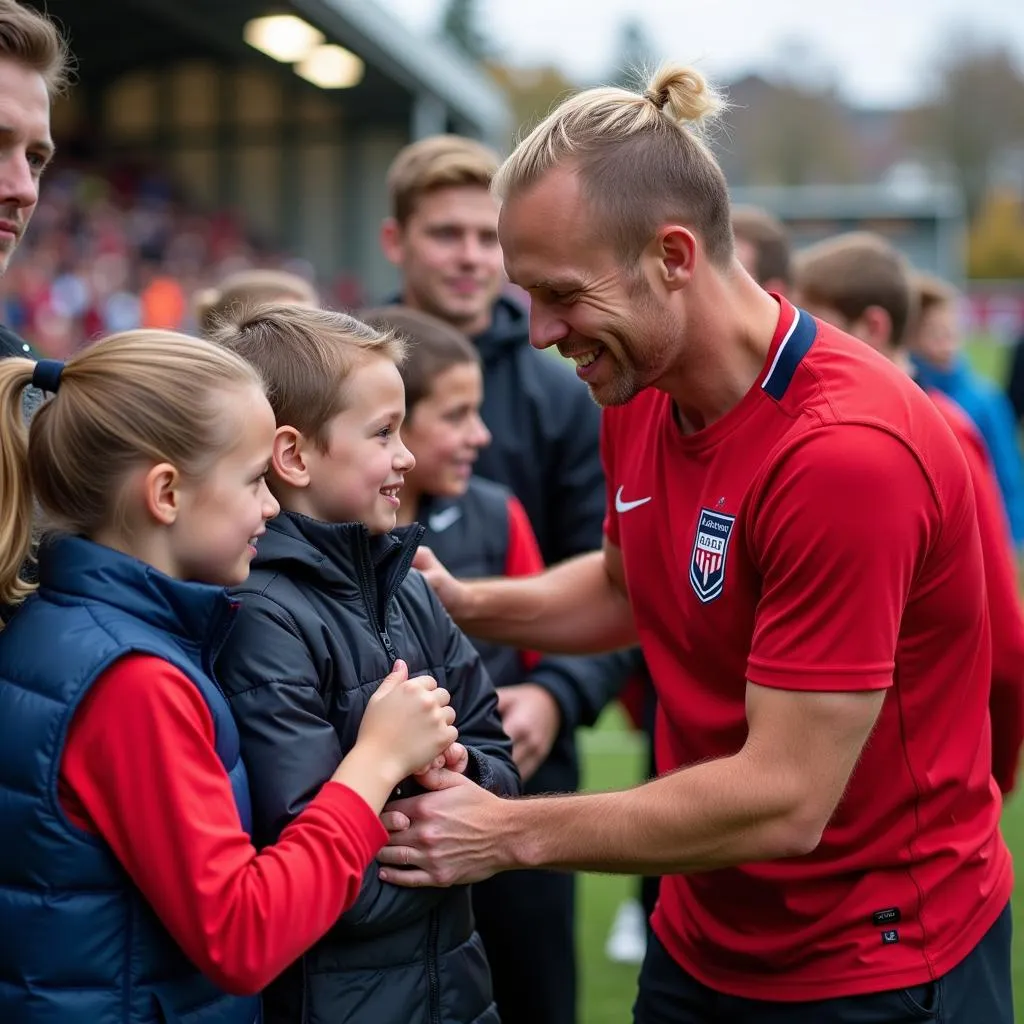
x=408 y=728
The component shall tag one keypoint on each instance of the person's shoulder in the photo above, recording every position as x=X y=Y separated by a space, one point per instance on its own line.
x=12 y=344
x=486 y=494
x=956 y=418
x=846 y=381
x=269 y=595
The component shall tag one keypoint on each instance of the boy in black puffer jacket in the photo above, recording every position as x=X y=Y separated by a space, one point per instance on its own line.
x=479 y=529
x=328 y=607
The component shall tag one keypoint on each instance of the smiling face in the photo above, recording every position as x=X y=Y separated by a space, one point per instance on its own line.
x=447 y=251
x=223 y=513
x=445 y=433
x=25 y=150
x=359 y=472
x=582 y=299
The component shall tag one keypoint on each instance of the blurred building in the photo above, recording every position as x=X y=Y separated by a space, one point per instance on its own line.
x=926 y=221
x=283 y=126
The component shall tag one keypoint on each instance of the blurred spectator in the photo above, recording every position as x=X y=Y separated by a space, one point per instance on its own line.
x=763 y=247
x=231 y=298
x=113 y=253
x=935 y=346
x=1015 y=379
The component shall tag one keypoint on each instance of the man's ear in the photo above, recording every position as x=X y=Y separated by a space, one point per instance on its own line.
x=392 y=241
x=675 y=250
x=874 y=326
x=290 y=457
x=161 y=492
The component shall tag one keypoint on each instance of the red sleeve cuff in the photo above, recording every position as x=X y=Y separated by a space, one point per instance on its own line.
x=826 y=679
x=349 y=807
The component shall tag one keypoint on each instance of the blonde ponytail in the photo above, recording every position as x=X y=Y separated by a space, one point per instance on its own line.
x=15 y=480
x=132 y=398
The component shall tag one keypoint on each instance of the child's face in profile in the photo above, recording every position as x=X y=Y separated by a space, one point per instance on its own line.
x=222 y=515
x=445 y=432
x=935 y=338
x=359 y=477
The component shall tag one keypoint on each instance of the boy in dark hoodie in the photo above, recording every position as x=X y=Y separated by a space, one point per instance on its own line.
x=329 y=605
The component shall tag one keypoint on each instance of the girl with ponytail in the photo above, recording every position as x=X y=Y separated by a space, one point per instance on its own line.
x=130 y=890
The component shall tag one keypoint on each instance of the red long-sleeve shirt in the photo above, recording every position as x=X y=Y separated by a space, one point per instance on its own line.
x=1006 y=700
x=140 y=770
x=522 y=558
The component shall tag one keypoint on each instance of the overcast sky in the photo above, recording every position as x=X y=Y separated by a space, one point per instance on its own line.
x=876 y=50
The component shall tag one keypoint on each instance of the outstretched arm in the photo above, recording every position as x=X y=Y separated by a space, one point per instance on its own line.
x=771 y=799
x=837 y=567
x=577 y=607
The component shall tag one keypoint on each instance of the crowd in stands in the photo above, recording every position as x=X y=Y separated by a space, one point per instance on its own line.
x=111 y=252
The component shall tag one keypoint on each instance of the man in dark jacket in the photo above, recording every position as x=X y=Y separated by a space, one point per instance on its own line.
x=442 y=235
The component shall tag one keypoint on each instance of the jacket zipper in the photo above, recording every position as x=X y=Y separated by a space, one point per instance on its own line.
x=369 y=589
x=434 y=988
x=368 y=585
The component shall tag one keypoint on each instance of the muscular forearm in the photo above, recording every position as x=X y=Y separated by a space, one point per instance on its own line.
x=713 y=815
x=573 y=608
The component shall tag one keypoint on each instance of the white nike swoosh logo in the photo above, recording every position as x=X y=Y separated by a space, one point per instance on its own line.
x=440 y=521
x=625 y=506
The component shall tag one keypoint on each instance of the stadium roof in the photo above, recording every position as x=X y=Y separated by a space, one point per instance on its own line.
x=111 y=37
x=415 y=61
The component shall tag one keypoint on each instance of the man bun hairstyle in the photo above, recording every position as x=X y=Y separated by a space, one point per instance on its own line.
x=642 y=160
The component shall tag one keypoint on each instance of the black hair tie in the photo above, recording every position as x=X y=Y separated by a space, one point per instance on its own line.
x=46 y=375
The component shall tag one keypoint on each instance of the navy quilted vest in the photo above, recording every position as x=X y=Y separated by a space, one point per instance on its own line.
x=78 y=943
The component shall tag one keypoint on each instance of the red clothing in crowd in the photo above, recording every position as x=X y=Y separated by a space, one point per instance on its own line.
x=1006 y=701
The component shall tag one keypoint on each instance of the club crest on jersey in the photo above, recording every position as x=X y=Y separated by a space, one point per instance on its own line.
x=710 y=547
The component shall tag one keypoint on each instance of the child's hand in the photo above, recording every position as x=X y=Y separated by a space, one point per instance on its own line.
x=454 y=759
x=408 y=722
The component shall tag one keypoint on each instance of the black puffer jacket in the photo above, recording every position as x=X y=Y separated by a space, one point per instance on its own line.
x=325 y=612
x=470 y=534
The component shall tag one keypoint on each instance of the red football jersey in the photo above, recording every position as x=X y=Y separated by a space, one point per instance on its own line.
x=820 y=536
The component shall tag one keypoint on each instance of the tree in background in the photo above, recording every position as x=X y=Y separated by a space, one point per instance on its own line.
x=531 y=92
x=460 y=25
x=635 y=55
x=995 y=247
x=974 y=117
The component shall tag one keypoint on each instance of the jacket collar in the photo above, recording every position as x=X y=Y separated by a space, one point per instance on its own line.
x=341 y=554
x=80 y=569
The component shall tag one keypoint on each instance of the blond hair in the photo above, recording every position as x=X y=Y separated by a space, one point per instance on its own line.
x=135 y=397
x=853 y=271
x=641 y=160
x=244 y=289
x=32 y=40
x=306 y=357
x=440 y=161
x=770 y=239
